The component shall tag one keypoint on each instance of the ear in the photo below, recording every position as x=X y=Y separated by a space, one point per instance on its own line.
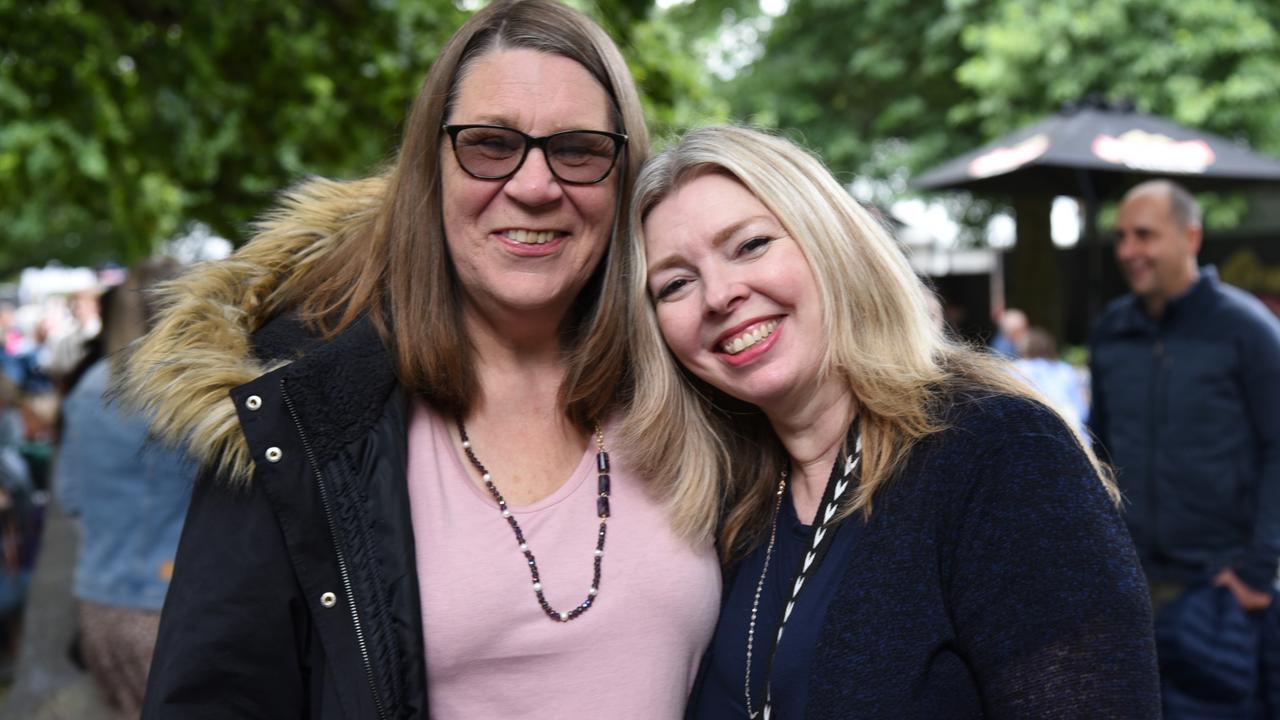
x=1195 y=234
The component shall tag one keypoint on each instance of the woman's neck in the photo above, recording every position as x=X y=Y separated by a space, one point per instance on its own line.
x=510 y=340
x=516 y=419
x=519 y=368
x=517 y=375
x=813 y=432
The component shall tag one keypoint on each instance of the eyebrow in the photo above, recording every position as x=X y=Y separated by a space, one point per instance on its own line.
x=502 y=120
x=1136 y=229
x=720 y=238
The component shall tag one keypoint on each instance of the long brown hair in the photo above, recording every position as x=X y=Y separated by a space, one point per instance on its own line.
x=400 y=273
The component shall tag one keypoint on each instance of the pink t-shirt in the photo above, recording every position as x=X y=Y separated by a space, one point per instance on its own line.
x=491 y=652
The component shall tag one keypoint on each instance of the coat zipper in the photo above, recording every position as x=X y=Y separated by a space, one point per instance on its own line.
x=342 y=562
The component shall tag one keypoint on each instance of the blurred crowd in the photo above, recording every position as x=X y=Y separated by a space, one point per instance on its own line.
x=46 y=343
x=62 y=436
x=1034 y=353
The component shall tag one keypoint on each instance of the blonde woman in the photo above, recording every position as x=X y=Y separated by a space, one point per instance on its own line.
x=907 y=533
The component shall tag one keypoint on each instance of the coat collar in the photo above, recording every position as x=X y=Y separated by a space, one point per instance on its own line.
x=340 y=387
x=1135 y=319
x=206 y=340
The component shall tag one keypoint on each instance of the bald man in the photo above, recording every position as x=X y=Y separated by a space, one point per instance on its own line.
x=1186 y=379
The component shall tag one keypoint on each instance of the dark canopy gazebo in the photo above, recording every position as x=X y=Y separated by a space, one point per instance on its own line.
x=1093 y=151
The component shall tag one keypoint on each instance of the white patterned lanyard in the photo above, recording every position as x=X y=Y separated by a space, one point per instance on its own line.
x=819 y=543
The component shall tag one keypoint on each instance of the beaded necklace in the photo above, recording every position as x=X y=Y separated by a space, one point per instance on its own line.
x=820 y=542
x=602 y=511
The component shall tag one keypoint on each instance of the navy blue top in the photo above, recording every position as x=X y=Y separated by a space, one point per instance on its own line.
x=721 y=695
x=993 y=579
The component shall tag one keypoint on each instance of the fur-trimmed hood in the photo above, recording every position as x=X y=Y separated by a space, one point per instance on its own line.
x=201 y=347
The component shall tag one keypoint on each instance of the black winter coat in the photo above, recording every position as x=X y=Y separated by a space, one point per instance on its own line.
x=296 y=595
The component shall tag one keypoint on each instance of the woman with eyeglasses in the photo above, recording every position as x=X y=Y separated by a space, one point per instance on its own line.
x=909 y=533
x=404 y=391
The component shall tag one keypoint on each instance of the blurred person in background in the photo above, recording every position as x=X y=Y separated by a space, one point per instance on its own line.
x=1186 y=403
x=66 y=346
x=13 y=469
x=10 y=334
x=15 y=489
x=12 y=342
x=1011 y=332
x=405 y=391
x=19 y=355
x=40 y=395
x=1056 y=380
x=130 y=494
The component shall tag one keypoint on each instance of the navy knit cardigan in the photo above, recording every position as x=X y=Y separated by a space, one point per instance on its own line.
x=994 y=579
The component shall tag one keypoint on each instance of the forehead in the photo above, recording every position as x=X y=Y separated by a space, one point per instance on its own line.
x=1147 y=209
x=533 y=91
x=700 y=208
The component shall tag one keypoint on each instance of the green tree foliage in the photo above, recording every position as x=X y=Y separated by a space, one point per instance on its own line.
x=122 y=122
x=890 y=86
x=1213 y=64
x=675 y=87
x=868 y=84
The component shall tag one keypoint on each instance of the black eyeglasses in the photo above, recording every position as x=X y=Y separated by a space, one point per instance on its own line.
x=494 y=152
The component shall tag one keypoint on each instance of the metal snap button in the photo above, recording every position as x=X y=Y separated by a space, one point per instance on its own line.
x=328 y=599
x=274 y=454
x=253 y=402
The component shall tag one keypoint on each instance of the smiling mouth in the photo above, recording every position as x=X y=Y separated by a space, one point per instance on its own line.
x=1134 y=268
x=531 y=237
x=753 y=336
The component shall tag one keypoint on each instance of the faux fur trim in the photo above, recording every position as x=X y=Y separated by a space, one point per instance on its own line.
x=201 y=347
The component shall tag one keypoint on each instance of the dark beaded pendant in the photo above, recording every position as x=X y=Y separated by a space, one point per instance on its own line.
x=602 y=511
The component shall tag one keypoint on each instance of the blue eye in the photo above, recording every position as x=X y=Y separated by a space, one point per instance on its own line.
x=670 y=288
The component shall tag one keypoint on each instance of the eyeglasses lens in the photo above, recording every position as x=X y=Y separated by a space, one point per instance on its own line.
x=576 y=157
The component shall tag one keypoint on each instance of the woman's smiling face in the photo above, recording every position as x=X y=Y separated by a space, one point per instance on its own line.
x=526 y=243
x=734 y=295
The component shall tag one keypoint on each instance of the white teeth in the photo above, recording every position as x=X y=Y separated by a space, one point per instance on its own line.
x=752 y=336
x=531 y=237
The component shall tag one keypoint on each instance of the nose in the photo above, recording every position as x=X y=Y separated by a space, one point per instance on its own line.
x=533 y=184
x=722 y=293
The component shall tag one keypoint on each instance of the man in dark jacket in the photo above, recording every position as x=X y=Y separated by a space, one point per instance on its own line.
x=1186 y=378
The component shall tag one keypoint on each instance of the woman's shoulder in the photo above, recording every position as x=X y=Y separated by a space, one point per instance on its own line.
x=996 y=443
x=227 y=322
x=991 y=418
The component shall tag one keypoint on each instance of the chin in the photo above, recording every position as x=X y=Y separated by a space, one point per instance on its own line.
x=536 y=294
x=1136 y=286
x=1143 y=290
x=760 y=394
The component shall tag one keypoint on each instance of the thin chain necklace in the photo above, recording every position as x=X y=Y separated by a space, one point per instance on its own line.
x=755 y=601
x=602 y=511
x=819 y=543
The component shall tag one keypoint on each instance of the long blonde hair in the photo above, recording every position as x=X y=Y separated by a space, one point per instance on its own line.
x=400 y=274
x=898 y=363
